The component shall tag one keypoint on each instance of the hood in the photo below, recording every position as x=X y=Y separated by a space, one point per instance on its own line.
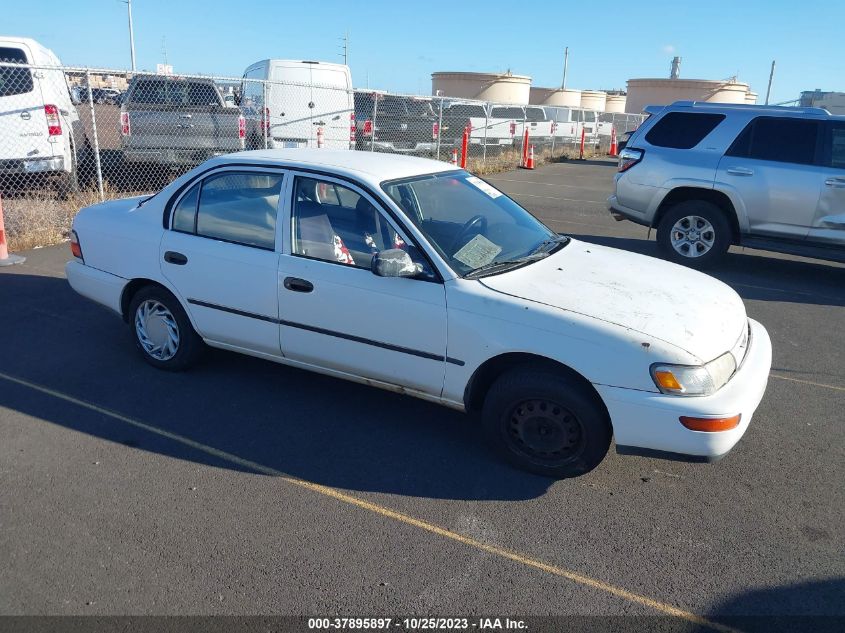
x=668 y=302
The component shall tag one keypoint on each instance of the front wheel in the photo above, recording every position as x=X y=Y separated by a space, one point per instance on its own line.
x=694 y=233
x=546 y=422
x=162 y=331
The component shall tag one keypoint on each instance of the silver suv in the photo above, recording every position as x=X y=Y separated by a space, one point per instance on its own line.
x=710 y=175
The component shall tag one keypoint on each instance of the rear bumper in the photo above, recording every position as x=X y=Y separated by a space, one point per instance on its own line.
x=626 y=213
x=32 y=165
x=647 y=422
x=101 y=287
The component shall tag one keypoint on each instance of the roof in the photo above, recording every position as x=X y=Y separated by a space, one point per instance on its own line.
x=374 y=167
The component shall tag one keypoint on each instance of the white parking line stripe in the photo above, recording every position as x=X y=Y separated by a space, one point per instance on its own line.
x=808 y=382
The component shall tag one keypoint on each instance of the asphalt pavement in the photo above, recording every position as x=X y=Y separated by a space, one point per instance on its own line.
x=245 y=487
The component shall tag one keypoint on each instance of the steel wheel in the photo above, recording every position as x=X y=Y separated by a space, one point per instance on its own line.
x=692 y=236
x=545 y=432
x=157 y=330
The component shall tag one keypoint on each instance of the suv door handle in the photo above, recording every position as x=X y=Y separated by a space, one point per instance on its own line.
x=298 y=285
x=172 y=257
x=836 y=183
x=741 y=171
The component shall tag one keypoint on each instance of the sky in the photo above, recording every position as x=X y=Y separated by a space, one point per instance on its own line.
x=396 y=45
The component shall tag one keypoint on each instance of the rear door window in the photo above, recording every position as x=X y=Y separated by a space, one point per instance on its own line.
x=782 y=140
x=836 y=145
x=683 y=130
x=14 y=81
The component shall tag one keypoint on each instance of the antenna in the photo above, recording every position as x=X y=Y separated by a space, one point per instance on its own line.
x=771 y=76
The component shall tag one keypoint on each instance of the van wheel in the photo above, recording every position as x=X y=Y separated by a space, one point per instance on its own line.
x=694 y=233
x=162 y=331
x=546 y=422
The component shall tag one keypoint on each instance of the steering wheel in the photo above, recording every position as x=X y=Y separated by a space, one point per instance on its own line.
x=477 y=223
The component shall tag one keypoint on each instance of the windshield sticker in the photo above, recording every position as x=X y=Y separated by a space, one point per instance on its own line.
x=490 y=191
x=479 y=251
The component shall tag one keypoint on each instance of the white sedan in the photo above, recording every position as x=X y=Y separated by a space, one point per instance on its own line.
x=411 y=275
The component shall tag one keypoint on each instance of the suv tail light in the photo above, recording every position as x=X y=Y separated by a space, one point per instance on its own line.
x=351 y=127
x=125 y=127
x=54 y=123
x=628 y=158
x=75 y=249
x=368 y=128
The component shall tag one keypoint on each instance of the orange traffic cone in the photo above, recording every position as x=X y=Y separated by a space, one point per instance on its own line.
x=613 y=147
x=454 y=160
x=5 y=258
x=529 y=164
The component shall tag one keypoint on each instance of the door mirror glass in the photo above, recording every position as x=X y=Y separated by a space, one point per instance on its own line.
x=394 y=262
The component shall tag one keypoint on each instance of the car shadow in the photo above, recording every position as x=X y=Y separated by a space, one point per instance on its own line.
x=757 y=277
x=817 y=606
x=299 y=423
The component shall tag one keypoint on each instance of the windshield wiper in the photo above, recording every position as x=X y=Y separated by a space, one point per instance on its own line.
x=552 y=241
x=504 y=264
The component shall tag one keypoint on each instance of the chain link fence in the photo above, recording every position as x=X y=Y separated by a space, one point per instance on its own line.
x=87 y=134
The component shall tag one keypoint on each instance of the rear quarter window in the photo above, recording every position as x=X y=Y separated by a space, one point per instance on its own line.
x=683 y=130
x=14 y=81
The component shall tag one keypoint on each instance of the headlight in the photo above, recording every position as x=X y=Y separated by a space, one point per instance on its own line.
x=694 y=380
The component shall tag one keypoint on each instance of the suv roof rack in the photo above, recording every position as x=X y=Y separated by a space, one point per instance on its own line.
x=750 y=106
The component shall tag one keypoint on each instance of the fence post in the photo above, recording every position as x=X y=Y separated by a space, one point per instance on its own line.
x=373 y=131
x=96 y=139
x=554 y=133
x=439 y=127
x=265 y=113
x=486 y=125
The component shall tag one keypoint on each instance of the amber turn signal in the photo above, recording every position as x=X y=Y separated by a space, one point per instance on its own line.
x=710 y=425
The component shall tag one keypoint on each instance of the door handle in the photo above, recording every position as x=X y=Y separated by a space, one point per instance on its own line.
x=836 y=183
x=741 y=171
x=172 y=257
x=298 y=285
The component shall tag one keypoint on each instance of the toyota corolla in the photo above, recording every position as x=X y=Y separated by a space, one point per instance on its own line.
x=411 y=275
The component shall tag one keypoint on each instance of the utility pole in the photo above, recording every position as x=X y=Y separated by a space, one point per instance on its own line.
x=771 y=76
x=345 y=48
x=565 y=67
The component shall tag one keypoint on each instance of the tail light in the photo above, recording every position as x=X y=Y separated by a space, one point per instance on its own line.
x=265 y=120
x=554 y=127
x=125 y=127
x=513 y=128
x=241 y=127
x=628 y=158
x=351 y=127
x=435 y=130
x=75 y=249
x=368 y=128
x=54 y=123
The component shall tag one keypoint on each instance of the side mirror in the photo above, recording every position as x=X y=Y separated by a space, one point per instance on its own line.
x=394 y=262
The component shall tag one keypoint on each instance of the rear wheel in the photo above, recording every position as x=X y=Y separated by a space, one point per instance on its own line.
x=546 y=422
x=162 y=331
x=694 y=233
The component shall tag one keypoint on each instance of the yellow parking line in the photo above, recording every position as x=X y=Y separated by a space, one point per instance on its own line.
x=662 y=607
x=808 y=382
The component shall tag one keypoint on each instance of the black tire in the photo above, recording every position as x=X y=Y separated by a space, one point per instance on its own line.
x=719 y=232
x=567 y=438
x=189 y=346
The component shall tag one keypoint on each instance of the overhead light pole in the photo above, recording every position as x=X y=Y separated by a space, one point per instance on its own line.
x=128 y=4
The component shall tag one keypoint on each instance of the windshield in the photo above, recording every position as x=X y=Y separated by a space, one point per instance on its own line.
x=473 y=225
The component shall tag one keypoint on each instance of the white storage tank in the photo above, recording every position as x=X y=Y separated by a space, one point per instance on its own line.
x=499 y=87
x=593 y=100
x=643 y=92
x=751 y=97
x=615 y=103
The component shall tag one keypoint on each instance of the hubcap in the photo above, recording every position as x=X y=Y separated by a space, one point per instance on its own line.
x=157 y=330
x=693 y=236
x=545 y=432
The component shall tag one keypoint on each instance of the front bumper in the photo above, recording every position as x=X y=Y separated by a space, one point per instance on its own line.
x=647 y=422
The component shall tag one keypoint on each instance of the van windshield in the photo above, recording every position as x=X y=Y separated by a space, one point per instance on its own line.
x=14 y=81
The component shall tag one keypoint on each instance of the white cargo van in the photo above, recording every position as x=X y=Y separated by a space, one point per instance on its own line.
x=40 y=131
x=290 y=103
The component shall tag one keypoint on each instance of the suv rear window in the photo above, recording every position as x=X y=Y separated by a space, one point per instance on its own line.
x=683 y=130
x=783 y=140
x=14 y=81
